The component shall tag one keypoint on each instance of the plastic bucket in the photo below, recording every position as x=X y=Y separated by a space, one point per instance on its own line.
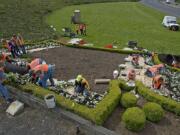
x=50 y=101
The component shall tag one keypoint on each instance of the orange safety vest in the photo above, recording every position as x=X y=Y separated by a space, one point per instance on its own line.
x=42 y=67
x=34 y=63
x=3 y=57
x=156 y=82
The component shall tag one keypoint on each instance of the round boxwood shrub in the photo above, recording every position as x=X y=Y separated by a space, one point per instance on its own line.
x=128 y=100
x=134 y=119
x=153 y=111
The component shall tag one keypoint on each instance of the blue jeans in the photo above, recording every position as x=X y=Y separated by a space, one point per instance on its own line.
x=47 y=75
x=17 y=51
x=13 y=52
x=4 y=92
x=23 y=49
x=79 y=89
x=149 y=74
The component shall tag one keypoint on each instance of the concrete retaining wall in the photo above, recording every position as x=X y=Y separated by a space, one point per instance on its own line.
x=82 y=123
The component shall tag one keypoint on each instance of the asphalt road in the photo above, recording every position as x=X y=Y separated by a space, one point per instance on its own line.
x=34 y=122
x=162 y=7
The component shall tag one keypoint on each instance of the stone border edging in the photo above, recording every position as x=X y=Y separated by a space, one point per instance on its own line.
x=36 y=103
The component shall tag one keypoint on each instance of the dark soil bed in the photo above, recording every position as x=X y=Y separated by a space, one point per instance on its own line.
x=91 y=64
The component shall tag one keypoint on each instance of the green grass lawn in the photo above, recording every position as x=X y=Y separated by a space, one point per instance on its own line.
x=27 y=16
x=108 y=22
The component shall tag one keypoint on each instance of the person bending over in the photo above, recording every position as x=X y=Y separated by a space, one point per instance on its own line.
x=44 y=72
x=82 y=85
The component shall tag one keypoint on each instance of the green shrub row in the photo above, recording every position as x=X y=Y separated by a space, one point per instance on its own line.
x=106 y=49
x=78 y=2
x=97 y=115
x=124 y=86
x=156 y=60
x=102 y=49
x=167 y=103
x=85 y=47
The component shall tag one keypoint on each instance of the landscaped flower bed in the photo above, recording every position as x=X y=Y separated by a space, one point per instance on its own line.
x=97 y=115
x=106 y=106
x=167 y=103
x=157 y=61
x=60 y=88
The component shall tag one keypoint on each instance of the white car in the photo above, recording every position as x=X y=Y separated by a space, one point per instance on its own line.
x=168 y=1
x=171 y=23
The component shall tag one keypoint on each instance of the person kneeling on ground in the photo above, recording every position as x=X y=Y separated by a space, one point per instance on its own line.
x=157 y=82
x=32 y=65
x=155 y=70
x=35 y=62
x=131 y=75
x=176 y=64
x=16 y=44
x=11 y=48
x=3 y=90
x=21 y=43
x=135 y=60
x=44 y=72
x=5 y=58
x=81 y=85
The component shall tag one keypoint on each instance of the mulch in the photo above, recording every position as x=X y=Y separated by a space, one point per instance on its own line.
x=91 y=64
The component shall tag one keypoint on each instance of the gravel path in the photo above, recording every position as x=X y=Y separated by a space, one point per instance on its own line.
x=162 y=7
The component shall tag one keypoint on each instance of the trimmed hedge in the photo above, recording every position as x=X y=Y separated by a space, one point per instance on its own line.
x=128 y=100
x=124 y=86
x=97 y=115
x=153 y=111
x=167 y=103
x=134 y=119
x=86 y=47
x=102 y=49
x=157 y=61
x=155 y=57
